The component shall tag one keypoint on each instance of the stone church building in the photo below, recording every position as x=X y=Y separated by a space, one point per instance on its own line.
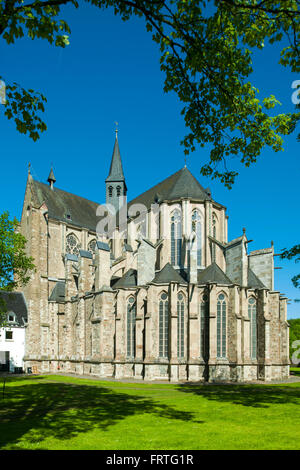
x=151 y=289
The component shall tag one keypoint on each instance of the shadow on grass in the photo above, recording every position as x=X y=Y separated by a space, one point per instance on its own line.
x=257 y=396
x=62 y=411
x=295 y=371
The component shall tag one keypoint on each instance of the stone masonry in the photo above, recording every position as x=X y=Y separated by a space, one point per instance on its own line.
x=165 y=296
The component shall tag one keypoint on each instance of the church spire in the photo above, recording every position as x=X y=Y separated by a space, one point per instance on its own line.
x=116 y=169
x=51 y=178
x=115 y=182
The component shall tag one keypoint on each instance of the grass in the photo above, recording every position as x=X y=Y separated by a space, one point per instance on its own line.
x=57 y=412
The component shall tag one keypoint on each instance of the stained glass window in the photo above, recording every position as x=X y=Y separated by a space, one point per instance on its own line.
x=131 y=319
x=214 y=234
x=203 y=325
x=196 y=227
x=176 y=238
x=253 y=326
x=164 y=326
x=72 y=244
x=221 y=326
x=92 y=246
x=180 y=325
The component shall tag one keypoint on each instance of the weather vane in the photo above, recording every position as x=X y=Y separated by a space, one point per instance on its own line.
x=116 y=123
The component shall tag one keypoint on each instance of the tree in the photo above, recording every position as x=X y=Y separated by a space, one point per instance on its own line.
x=294 y=335
x=293 y=252
x=206 y=49
x=15 y=266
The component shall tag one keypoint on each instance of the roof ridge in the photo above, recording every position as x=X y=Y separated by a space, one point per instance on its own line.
x=64 y=191
x=169 y=269
x=155 y=186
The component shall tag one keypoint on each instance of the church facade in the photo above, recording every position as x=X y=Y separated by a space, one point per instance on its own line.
x=151 y=289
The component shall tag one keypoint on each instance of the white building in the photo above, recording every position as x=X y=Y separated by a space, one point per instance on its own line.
x=12 y=336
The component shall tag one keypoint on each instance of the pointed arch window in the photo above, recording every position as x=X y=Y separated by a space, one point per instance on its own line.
x=163 y=326
x=214 y=234
x=92 y=246
x=176 y=232
x=118 y=191
x=110 y=191
x=204 y=326
x=72 y=244
x=253 y=327
x=131 y=323
x=180 y=325
x=197 y=228
x=221 y=326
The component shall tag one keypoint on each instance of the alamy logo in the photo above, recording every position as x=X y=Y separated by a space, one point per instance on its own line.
x=2 y=92
x=296 y=94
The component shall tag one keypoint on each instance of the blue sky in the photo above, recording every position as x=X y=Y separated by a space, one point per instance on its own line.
x=110 y=72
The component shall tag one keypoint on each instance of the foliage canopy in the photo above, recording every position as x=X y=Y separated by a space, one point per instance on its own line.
x=15 y=266
x=206 y=49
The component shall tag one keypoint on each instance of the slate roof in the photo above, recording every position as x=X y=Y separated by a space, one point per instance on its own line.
x=51 y=176
x=129 y=279
x=80 y=212
x=116 y=172
x=180 y=184
x=60 y=203
x=213 y=273
x=58 y=292
x=253 y=281
x=168 y=274
x=15 y=302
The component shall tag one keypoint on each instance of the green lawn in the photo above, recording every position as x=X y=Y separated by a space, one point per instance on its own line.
x=56 y=412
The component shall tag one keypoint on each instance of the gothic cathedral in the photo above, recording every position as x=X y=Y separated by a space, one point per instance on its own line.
x=150 y=289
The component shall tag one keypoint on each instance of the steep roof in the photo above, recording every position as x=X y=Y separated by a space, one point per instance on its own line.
x=116 y=169
x=58 y=292
x=51 y=176
x=180 y=184
x=15 y=302
x=168 y=274
x=129 y=279
x=213 y=273
x=82 y=212
x=253 y=280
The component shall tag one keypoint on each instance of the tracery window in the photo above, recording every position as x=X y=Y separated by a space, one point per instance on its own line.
x=72 y=244
x=203 y=326
x=92 y=246
x=214 y=234
x=164 y=326
x=131 y=320
x=118 y=191
x=110 y=191
x=180 y=325
x=253 y=327
x=176 y=238
x=221 y=326
x=196 y=227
